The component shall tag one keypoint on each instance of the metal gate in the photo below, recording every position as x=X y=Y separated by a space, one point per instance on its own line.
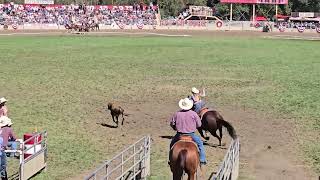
x=131 y=163
x=33 y=155
x=229 y=168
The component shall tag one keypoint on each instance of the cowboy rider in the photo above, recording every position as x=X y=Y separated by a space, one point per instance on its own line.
x=186 y=122
x=198 y=103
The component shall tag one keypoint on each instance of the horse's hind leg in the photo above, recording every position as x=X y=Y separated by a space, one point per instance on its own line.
x=215 y=135
x=191 y=176
x=200 y=130
x=220 y=133
x=178 y=175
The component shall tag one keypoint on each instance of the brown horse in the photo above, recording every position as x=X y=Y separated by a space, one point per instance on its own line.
x=212 y=121
x=184 y=158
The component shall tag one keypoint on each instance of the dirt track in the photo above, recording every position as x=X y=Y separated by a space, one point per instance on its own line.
x=268 y=145
x=195 y=33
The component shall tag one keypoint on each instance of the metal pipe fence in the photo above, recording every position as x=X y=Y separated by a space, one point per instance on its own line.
x=229 y=167
x=132 y=163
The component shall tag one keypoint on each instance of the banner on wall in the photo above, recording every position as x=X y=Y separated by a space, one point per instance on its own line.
x=255 y=1
x=38 y=1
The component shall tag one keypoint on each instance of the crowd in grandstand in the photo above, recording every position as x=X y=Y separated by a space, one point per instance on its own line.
x=78 y=14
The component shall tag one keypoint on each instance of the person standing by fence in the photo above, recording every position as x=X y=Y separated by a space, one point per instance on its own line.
x=6 y=132
x=3 y=158
x=3 y=163
x=3 y=107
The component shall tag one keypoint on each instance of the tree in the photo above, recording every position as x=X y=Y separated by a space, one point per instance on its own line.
x=170 y=7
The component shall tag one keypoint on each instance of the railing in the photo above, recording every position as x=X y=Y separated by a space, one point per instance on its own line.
x=229 y=168
x=131 y=163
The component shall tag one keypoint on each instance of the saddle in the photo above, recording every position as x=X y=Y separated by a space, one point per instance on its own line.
x=182 y=138
x=185 y=138
x=203 y=111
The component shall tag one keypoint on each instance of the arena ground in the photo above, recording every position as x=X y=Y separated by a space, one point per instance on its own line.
x=268 y=145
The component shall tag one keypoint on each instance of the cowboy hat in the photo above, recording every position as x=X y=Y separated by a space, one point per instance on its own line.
x=4 y=121
x=3 y=100
x=186 y=104
x=195 y=90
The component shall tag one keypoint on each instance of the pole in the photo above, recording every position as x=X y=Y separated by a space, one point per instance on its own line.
x=231 y=12
x=253 y=13
x=276 y=13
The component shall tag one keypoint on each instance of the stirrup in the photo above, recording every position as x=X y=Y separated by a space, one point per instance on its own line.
x=203 y=163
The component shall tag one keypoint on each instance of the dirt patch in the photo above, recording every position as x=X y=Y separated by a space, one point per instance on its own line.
x=268 y=145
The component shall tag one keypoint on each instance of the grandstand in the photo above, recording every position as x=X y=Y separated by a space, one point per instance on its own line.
x=66 y=14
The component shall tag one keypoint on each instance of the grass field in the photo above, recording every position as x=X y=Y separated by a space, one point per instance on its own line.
x=58 y=83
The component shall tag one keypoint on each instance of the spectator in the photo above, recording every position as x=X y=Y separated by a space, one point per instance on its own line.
x=3 y=161
x=3 y=107
x=7 y=134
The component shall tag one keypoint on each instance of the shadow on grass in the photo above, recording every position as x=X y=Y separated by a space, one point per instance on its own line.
x=211 y=175
x=107 y=125
x=166 y=137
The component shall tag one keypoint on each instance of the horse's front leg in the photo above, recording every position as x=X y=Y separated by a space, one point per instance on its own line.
x=122 y=119
x=117 y=117
x=113 y=118
x=200 y=130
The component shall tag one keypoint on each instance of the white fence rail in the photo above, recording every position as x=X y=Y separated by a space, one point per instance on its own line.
x=229 y=168
x=131 y=163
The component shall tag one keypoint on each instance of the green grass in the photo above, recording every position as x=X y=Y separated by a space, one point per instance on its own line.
x=57 y=83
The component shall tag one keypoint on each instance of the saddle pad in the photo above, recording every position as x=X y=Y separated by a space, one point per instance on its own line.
x=187 y=139
x=203 y=111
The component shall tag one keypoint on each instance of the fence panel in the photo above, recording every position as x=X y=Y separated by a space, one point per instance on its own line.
x=131 y=163
x=229 y=168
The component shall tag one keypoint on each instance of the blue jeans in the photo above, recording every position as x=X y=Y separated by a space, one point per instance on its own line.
x=13 y=145
x=197 y=140
x=3 y=164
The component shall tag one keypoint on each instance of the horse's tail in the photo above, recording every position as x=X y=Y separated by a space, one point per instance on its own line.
x=182 y=157
x=230 y=128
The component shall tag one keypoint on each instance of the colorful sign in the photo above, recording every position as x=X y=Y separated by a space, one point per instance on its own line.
x=255 y=1
x=38 y=1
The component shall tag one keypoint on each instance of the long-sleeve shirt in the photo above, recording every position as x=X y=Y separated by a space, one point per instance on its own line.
x=3 y=111
x=7 y=133
x=185 y=121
